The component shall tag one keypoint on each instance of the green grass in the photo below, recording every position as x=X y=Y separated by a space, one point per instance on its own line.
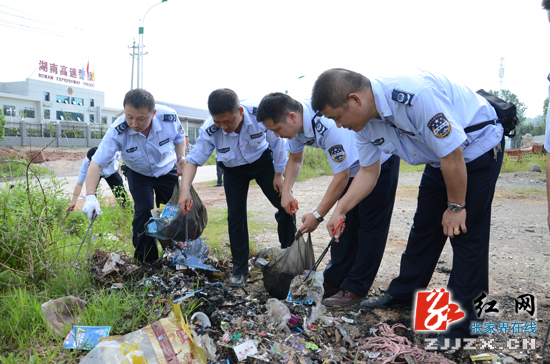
x=405 y=167
x=509 y=164
x=524 y=163
x=13 y=167
x=315 y=164
x=211 y=160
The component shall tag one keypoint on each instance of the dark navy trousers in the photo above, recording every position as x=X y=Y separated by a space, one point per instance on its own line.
x=470 y=272
x=143 y=190
x=355 y=259
x=236 y=182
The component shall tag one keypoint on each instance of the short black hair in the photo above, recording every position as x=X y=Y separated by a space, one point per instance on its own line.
x=91 y=152
x=546 y=4
x=276 y=106
x=333 y=86
x=223 y=100
x=138 y=98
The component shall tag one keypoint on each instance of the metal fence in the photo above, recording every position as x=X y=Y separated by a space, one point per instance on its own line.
x=12 y=129
x=41 y=131
x=98 y=131
x=73 y=131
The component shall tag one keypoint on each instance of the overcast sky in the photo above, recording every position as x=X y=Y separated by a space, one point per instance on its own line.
x=256 y=47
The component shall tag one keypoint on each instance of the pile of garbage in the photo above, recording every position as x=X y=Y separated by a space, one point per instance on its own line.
x=207 y=321
x=231 y=325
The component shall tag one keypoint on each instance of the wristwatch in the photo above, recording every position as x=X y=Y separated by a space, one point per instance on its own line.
x=318 y=216
x=179 y=159
x=454 y=207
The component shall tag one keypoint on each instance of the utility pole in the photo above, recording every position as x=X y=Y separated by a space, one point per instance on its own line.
x=133 y=57
x=501 y=74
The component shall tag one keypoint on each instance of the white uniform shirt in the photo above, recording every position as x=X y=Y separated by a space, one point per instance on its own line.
x=106 y=172
x=239 y=149
x=422 y=119
x=338 y=143
x=151 y=156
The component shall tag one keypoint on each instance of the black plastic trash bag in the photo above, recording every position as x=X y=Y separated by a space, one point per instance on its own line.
x=279 y=266
x=174 y=225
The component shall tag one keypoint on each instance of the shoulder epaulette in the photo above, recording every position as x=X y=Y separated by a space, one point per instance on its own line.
x=170 y=117
x=320 y=127
x=120 y=128
x=402 y=97
x=211 y=130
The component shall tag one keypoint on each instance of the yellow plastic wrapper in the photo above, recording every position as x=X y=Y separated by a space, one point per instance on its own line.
x=167 y=341
x=481 y=357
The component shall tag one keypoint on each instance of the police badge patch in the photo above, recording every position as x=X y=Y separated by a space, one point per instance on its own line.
x=337 y=153
x=378 y=142
x=224 y=150
x=120 y=128
x=257 y=135
x=164 y=142
x=439 y=125
x=402 y=97
x=211 y=130
x=131 y=150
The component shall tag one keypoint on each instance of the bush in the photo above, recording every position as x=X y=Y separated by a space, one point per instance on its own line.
x=75 y=133
x=30 y=216
x=2 y=125
x=12 y=132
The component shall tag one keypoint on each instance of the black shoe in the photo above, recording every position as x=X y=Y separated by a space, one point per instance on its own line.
x=218 y=185
x=384 y=301
x=238 y=280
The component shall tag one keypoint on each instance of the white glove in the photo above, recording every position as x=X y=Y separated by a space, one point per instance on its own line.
x=91 y=205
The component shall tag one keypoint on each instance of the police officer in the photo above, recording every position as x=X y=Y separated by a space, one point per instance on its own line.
x=425 y=119
x=355 y=259
x=151 y=142
x=109 y=173
x=246 y=150
x=546 y=6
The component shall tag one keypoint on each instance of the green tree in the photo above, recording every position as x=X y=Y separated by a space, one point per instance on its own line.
x=2 y=125
x=521 y=129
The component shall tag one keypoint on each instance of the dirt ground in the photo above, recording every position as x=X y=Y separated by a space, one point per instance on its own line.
x=519 y=250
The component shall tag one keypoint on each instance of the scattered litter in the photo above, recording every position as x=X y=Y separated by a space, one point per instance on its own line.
x=85 y=337
x=201 y=318
x=348 y=320
x=161 y=342
x=482 y=357
x=246 y=349
x=62 y=311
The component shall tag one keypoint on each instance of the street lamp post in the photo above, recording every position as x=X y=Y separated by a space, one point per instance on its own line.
x=140 y=48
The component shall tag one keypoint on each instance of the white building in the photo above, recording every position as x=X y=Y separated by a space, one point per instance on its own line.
x=43 y=102
x=47 y=109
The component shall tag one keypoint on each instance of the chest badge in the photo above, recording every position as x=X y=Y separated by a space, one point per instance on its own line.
x=378 y=142
x=337 y=153
x=439 y=125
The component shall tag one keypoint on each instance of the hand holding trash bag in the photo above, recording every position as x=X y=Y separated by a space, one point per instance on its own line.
x=91 y=204
x=185 y=201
